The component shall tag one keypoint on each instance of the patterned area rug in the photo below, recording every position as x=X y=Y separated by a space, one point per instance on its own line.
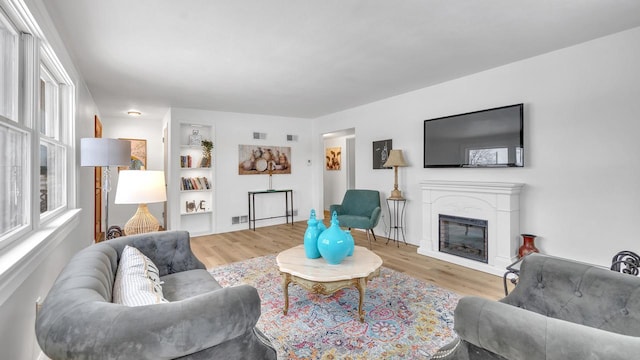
x=406 y=318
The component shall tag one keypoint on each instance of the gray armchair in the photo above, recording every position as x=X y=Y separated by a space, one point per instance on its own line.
x=202 y=320
x=360 y=209
x=560 y=309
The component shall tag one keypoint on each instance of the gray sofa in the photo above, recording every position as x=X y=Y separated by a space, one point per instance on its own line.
x=202 y=320
x=560 y=309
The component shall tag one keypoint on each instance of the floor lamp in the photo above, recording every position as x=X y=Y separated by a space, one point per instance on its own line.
x=105 y=152
x=141 y=187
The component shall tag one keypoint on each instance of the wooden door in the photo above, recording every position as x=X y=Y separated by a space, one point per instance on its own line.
x=97 y=180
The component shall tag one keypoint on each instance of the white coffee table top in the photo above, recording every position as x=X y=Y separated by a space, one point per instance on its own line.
x=294 y=261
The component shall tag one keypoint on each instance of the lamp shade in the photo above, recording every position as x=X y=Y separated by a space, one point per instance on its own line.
x=395 y=159
x=104 y=152
x=141 y=187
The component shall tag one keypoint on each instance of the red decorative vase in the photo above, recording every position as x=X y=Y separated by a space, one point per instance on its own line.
x=528 y=245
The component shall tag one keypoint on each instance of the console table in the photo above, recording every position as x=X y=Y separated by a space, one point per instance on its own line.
x=288 y=204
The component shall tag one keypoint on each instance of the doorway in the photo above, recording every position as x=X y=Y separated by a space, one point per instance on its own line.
x=339 y=165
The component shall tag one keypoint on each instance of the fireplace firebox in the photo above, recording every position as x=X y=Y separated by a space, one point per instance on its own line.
x=464 y=237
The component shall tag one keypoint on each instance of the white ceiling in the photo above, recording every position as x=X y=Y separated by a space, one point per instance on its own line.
x=307 y=58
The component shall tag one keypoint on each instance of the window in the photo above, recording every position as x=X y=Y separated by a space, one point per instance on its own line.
x=36 y=126
x=52 y=150
x=13 y=176
x=8 y=69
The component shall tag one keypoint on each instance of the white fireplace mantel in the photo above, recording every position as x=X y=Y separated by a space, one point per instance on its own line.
x=496 y=202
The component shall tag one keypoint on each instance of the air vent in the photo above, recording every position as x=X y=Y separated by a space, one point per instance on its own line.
x=259 y=135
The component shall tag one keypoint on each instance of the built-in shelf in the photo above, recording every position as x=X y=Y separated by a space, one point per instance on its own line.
x=197 y=213
x=193 y=187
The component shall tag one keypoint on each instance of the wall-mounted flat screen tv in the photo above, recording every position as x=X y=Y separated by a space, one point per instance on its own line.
x=486 y=138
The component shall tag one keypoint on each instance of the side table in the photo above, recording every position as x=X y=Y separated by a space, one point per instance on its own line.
x=396 y=219
x=512 y=274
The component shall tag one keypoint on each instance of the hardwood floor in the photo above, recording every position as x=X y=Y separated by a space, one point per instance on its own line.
x=219 y=249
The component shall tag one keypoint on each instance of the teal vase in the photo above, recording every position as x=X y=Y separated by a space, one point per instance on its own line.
x=332 y=243
x=311 y=237
x=350 y=241
x=321 y=226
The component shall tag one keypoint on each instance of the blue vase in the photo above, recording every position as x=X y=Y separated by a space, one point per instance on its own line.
x=311 y=237
x=321 y=226
x=350 y=241
x=332 y=243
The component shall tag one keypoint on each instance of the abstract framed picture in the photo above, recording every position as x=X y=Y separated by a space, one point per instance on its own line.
x=138 y=155
x=381 y=151
x=333 y=157
x=260 y=159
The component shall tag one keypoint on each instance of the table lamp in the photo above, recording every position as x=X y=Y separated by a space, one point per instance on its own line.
x=141 y=187
x=395 y=159
x=105 y=152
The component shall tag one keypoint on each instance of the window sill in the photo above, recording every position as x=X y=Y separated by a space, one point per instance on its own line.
x=19 y=260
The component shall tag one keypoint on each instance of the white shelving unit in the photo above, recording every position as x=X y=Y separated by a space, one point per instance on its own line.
x=191 y=187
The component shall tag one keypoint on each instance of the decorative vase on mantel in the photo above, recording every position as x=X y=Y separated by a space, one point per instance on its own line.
x=528 y=245
x=332 y=243
x=311 y=237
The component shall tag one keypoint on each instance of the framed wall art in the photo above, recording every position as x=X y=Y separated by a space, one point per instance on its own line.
x=333 y=158
x=138 y=155
x=381 y=151
x=261 y=159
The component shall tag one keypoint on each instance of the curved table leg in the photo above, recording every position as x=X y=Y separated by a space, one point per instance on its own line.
x=286 y=279
x=361 y=285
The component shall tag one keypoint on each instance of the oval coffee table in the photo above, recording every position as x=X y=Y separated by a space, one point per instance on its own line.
x=318 y=277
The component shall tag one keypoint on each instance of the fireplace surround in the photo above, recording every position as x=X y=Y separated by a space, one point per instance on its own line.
x=497 y=203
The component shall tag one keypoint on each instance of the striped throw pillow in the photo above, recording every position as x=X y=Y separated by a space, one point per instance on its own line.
x=137 y=280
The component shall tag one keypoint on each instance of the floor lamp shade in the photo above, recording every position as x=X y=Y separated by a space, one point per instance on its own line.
x=141 y=187
x=396 y=160
x=104 y=152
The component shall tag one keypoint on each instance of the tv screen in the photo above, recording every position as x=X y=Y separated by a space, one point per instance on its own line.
x=486 y=138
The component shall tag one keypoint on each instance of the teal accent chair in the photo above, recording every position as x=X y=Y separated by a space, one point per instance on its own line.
x=360 y=209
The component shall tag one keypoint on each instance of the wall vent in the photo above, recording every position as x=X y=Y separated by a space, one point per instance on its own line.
x=244 y=219
x=235 y=220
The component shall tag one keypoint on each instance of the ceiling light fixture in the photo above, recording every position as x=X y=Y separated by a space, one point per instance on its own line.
x=134 y=113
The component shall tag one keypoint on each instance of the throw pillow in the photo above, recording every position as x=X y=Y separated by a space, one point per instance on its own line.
x=137 y=280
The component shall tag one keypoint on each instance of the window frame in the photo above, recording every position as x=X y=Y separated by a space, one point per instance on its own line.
x=34 y=52
x=5 y=20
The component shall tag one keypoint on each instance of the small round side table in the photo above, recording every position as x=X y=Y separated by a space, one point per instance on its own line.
x=396 y=219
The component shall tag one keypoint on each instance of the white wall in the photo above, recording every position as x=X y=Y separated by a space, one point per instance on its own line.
x=17 y=309
x=233 y=129
x=134 y=128
x=581 y=126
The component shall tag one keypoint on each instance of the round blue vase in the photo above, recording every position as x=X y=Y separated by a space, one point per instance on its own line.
x=332 y=243
x=350 y=241
x=311 y=237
